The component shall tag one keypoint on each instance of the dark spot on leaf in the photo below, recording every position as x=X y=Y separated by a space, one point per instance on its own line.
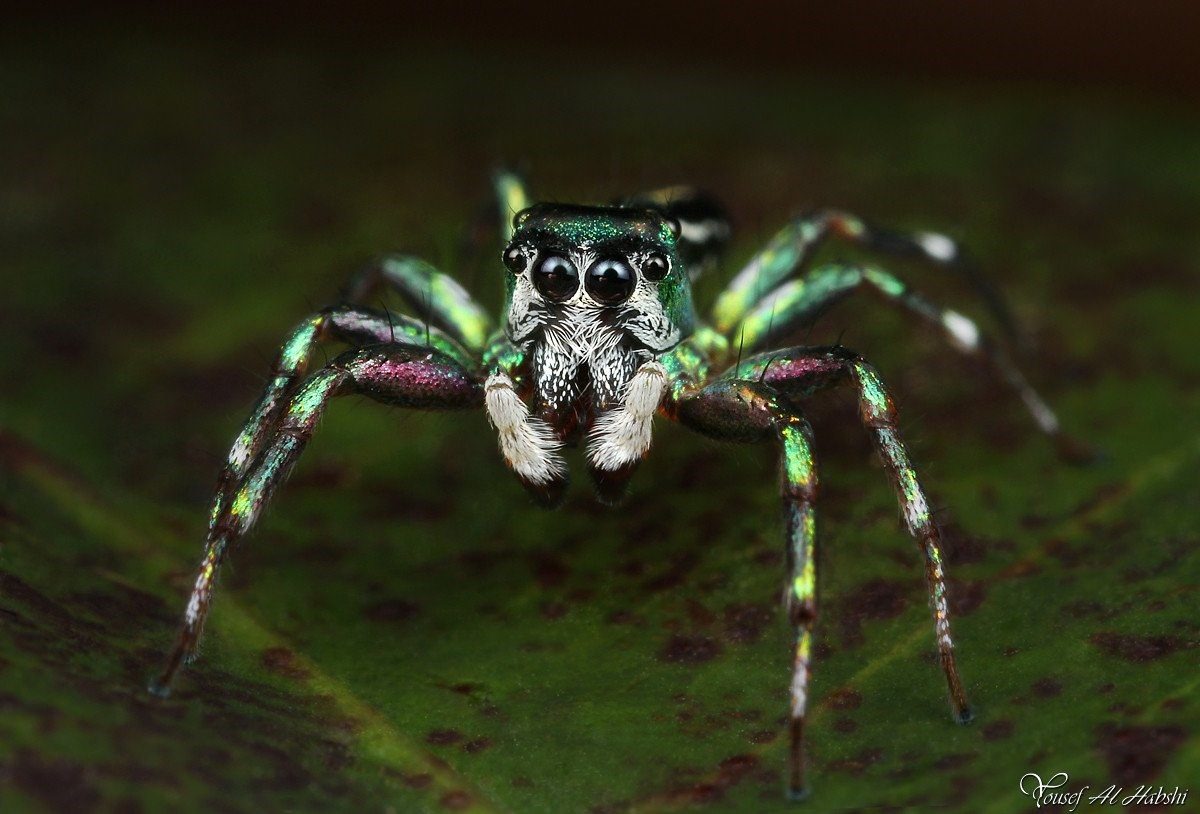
x=1136 y=754
x=443 y=737
x=477 y=745
x=1066 y=553
x=675 y=574
x=549 y=570
x=960 y=547
x=1136 y=648
x=1083 y=609
x=552 y=610
x=522 y=782
x=844 y=724
x=965 y=597
x=1046 y=688
x=875 y=599
x=418 y=781
x=281 y=661
x=731 y=770
x=456 y=800
x=1106 y=688
x=763 y=736
x=632 y=568
x=856 y=764
x=61 y=784
x=843 y=698
x=998 y=730
x=955 y=761
x=689 y=650
x=744 y=624
x=392 y=610
x=624 y=617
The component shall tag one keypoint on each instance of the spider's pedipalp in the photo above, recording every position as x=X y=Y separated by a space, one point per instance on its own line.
x=528 y=443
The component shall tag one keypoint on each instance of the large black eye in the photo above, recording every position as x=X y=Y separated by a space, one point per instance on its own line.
x=656 y=266
x=610 y=281
x=555 y=276
x=514 y=260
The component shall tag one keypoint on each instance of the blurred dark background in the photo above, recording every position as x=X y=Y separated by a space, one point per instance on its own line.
x=1140 y=47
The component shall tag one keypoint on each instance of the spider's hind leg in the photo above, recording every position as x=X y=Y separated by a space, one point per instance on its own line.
x=789 y=252
x=798 y=303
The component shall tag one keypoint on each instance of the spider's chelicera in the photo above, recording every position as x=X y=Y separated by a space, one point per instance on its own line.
x=598 y=336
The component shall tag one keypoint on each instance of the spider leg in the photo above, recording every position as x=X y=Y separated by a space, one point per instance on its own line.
x=757 y=402
x=797 y=303
x=789 y=251
x=511 y=197
x=750 y=411
x=393 y=374
x=800 y=372
x=433 y=295
x=355 y=326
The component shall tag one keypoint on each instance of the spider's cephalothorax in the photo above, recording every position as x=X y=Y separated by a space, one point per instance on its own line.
x=599 y=336
x=593 y=294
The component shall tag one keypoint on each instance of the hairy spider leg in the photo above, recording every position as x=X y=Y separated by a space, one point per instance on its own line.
x=403 y=376
x=789 y=251
x=797 y=303
x=511 y=197
x=434 y=295
x=355 y=326
x=748 y=411
x=755 y=403
x=799 y=478
x=800 y=372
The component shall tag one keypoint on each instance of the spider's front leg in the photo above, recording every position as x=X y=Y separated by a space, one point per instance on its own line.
x=748 y=412
x=756 y=402
x=355 y=326
x=400 y=375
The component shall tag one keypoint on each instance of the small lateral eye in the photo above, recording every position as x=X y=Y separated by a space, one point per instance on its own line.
x=556 y=278
x=656 y=266
x=514 y=260
x=610 y=281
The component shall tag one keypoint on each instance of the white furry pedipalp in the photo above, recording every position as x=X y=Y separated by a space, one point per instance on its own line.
x=622 y=435
x=527 y=442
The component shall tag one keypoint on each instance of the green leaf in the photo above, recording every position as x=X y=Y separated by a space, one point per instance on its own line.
x=405 y=631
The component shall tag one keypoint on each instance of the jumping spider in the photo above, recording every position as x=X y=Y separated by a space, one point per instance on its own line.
x=600 y=335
